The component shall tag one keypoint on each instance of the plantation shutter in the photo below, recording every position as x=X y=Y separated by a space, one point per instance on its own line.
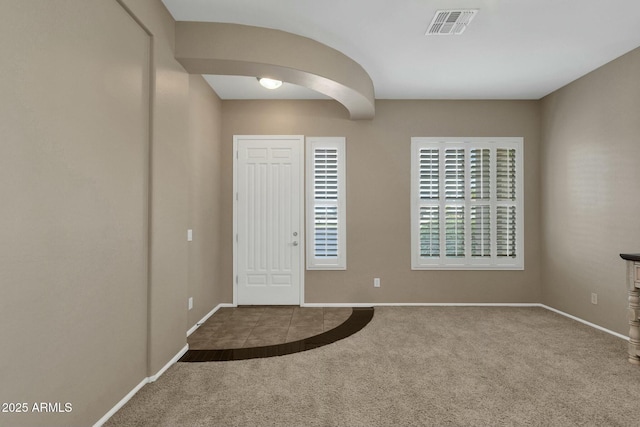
x=429 y=186
x=325 y=207
x=507 y=214
x=454 y=193
x=480 y=189
x=325 y=215
x=467 y=203
x=429 y=231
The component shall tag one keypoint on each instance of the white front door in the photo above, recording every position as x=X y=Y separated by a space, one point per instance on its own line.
x=268 y=219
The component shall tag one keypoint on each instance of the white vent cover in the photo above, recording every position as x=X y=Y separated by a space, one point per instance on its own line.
x=450 y=22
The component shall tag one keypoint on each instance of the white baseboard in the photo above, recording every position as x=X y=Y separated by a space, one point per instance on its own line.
x=137 y=388
x=120 y=404
x=593 y=325
x=169 y=363
x=155 y=377
x=425 y=304
x=377 y=304
x=207 y=316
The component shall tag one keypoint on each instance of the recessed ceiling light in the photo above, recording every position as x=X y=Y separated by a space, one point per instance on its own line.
x=450 y=22
x=269 y=83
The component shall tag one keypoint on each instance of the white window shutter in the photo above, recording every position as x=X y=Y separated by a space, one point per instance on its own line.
x=454 y=174
x=454 y=231
x=429 y=231
x=480 y=179
x=506 y=211
x=480 y=195
x=481 y=231
x=506 y=174
x=326 y=204
x=429 y=189
x=429 y=174
x=506 y=231
x=467 y=203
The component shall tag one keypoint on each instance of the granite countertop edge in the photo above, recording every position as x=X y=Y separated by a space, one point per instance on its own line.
x=631 y=257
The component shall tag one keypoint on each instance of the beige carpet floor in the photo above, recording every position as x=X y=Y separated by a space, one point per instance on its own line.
x=413 y=366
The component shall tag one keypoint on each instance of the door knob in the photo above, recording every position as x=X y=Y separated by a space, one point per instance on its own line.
x=295 y=243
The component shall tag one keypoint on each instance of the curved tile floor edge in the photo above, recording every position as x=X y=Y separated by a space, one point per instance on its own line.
x=359 y=318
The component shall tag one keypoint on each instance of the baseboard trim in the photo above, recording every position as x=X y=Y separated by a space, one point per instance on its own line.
x=170 y=363
x=137 y=388
x=121 y=403
x=429 y=304
x=207 y=316
x=593 y=325
x=426 y=304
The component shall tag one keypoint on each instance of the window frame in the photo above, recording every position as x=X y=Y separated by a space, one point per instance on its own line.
x=326 y=263
x=492 y=262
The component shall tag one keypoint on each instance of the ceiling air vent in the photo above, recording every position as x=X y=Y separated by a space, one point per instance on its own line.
x=450 y=22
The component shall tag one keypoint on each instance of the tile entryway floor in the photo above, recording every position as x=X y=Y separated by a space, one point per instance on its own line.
x=258 y=326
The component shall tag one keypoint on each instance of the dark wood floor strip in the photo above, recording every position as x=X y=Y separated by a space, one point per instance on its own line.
x=358 y=320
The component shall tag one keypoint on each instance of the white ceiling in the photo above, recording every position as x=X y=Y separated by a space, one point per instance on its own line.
x=513 y=49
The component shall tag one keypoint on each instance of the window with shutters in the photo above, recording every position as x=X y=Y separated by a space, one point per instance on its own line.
x=467 y=203
x=326 y=227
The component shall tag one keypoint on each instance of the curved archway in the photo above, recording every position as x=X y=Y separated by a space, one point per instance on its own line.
x=234 y=49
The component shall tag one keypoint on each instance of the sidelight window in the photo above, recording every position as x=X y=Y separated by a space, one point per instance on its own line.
x=326 y=228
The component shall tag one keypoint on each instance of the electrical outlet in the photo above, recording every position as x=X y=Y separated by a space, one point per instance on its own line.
x=190 y=303
x=376 y=282
x=594 y=298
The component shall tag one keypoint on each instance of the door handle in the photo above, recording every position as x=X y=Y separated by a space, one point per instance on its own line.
x=295 y=243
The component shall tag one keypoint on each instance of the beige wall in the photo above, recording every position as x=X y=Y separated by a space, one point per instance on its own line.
x=204 y=198
x=169 y=190
x=185 y=186
x=590 y=180
x=378 y=183
x=73 y=222
x=109 y=153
